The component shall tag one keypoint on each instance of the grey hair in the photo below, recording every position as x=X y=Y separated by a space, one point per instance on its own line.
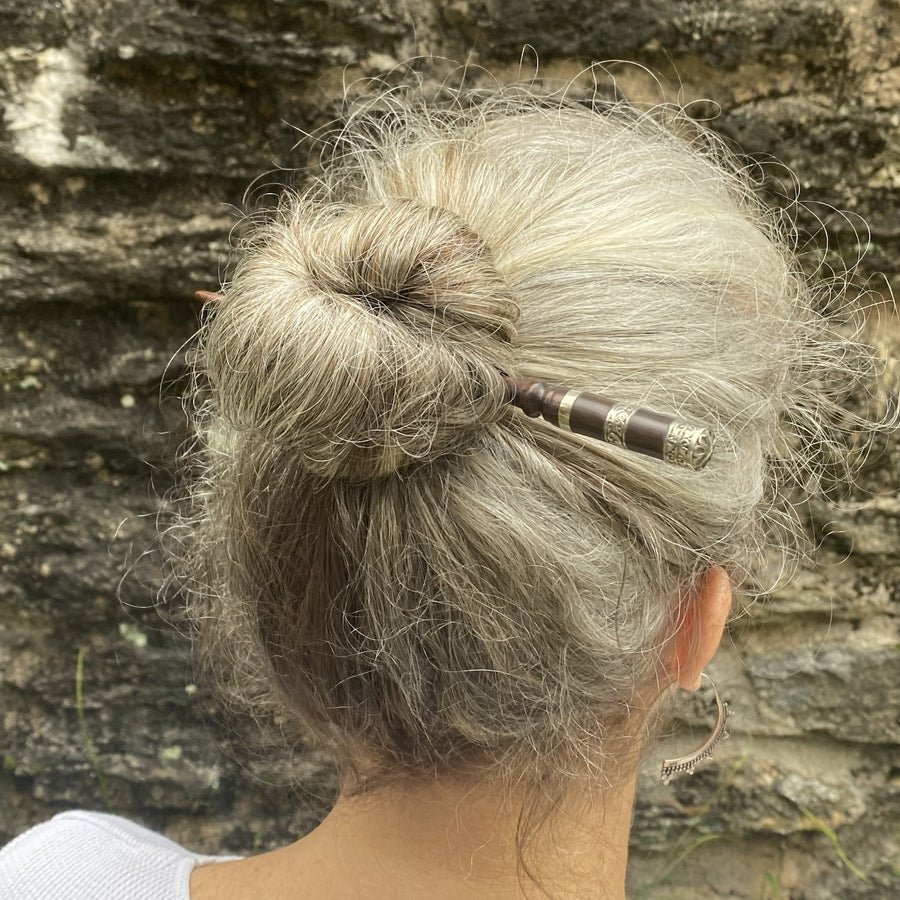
x=407 y=571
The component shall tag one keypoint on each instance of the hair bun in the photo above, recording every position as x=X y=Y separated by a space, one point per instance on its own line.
x=362 y=337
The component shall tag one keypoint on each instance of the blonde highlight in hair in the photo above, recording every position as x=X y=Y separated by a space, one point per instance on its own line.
x=410 y=573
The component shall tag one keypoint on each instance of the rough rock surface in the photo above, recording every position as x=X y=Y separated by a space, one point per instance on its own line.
x=129 y=132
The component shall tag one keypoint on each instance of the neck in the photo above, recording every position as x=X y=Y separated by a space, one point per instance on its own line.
x=460 y=841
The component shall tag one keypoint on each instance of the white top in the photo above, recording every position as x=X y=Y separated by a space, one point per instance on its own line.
x=95 y=856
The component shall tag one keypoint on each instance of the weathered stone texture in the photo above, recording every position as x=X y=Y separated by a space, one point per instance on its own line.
x=130 y=133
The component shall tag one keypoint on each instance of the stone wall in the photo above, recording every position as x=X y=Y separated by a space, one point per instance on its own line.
x=130 y=130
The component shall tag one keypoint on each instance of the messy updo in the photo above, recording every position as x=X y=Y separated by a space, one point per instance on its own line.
x=409 y=572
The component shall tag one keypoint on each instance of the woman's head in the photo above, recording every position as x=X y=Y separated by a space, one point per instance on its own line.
x=406 y=569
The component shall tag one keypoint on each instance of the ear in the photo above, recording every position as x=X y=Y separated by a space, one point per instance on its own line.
x=700 y=631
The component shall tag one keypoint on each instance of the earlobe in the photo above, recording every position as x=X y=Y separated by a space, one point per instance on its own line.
x=700 y=631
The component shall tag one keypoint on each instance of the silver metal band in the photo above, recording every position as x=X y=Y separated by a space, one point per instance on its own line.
x=689 y=446
x=616 y=423
x=565 y=409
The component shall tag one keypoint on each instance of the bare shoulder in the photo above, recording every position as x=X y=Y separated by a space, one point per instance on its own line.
x=270 y=875
x=215 y=881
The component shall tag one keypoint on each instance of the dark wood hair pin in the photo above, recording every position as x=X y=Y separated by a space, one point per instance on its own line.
x=634 y=428
x=208 y=296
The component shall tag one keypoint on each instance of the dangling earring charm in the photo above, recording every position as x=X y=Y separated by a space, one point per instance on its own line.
x=687 y=763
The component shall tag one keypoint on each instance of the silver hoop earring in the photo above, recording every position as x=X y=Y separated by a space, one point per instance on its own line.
x=687 y=763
